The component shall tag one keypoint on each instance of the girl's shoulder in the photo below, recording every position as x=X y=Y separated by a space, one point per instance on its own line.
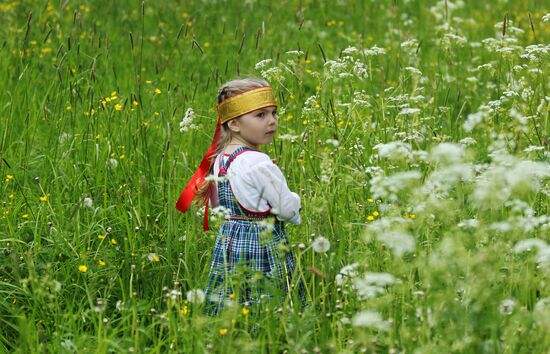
x=252 y=158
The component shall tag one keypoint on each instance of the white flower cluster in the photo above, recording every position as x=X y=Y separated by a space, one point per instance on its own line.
x=263 y=63
x=389 y=187
x=371 y=319
x=373 y=284
x=391 y=232
x=394 y=150
x=187 y=121
x=543 y=249
x=292 y=138
x=310 y=104
x=219 y=212
x=346 y=66
x=195 y=296
x=474 y=119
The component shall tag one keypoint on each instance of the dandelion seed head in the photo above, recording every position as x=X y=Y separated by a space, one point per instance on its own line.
x=321 y=244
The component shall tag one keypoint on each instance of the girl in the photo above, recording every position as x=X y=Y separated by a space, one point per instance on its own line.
x=253 y=192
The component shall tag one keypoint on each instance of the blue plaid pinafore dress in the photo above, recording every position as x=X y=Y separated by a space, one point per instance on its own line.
x=250 y=263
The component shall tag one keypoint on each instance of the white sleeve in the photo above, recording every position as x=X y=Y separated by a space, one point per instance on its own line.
x=268 y=179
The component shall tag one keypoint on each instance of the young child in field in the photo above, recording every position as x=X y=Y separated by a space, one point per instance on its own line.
x=252 y=190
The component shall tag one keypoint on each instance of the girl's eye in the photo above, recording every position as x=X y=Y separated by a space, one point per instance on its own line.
x=262 y=114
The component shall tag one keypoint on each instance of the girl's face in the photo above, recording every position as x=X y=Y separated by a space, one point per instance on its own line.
x=259 y=126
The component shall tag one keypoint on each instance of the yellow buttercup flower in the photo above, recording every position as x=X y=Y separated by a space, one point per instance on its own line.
x=375 y=213
x=118 y=107
x=245 y=311
x=232 y=296
x=44 y=198
x=82 y=268
x=370 y=218
x=113 y=241
x=9 y=178
x=135 y=103
x=223 y=331
x=101 y=263
x=157 y=91
x=101 y=237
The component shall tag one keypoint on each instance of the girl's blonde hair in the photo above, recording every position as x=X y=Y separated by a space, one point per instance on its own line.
x=228 y=89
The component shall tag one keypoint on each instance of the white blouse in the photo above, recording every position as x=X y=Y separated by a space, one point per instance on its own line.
x=258 y=183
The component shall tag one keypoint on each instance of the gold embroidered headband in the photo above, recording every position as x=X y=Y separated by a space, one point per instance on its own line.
x=245 y=102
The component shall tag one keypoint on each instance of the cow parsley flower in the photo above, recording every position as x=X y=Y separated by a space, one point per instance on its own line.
x=372 y=319
x=187 y=121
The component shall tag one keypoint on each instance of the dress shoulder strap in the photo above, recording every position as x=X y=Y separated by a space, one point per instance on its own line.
x=225 y=166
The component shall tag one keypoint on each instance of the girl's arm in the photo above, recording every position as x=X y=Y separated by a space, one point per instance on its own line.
x=270 y=181
x=214 y=201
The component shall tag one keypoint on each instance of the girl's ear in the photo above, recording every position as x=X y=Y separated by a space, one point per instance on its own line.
x=233 y=124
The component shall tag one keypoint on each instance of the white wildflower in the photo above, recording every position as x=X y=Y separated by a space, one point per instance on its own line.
x=112 y=163
x=529 y=244
x=533 y=148
x=373 y=51
x=333 y=142
x=414 y=71
x=541 y=312
x=261 y=64
x=195 y=296
x=290 y=137
x=399 y=242
x=468 y=224
x=347 y=272
x=373 y=284
x=507 y=306
x=88 y=202
x=173 y=294
x=187 y=121
x=408 y=111
x=474 y=119
x=295 y=52
x=321 y=244
x=447 y=153
x=383 y=186
x=468 y=141
x=372 y=319
x=395 y=150
x=350 y=50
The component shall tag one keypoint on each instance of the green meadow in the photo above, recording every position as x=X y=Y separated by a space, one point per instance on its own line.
x=415 y=132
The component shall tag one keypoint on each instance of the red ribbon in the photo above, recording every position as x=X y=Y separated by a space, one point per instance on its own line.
x=190 y=190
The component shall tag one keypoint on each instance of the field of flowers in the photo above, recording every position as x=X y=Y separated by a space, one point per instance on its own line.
x=415 y=132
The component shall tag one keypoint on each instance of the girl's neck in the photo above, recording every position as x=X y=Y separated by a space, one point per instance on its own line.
x=231 y=147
